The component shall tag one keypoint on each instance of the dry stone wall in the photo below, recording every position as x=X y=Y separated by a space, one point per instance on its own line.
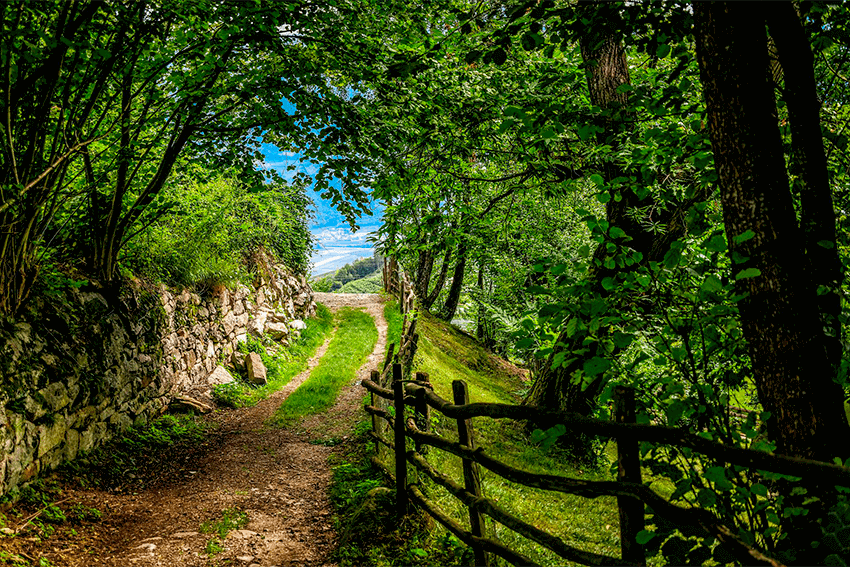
x=80 y=367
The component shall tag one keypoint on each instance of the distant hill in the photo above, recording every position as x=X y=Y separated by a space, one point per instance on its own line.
x=361 y=276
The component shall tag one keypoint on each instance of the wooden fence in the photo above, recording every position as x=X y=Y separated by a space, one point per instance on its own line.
x=397 y=284
x=631 y=494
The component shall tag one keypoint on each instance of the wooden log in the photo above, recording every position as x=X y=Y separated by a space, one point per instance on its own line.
x=488 y=544
x=389 y=358
x=694 y=518
x=388 y=444
x=487 y=506
x=377 y=426
x=382 y=467
x=423 y=411
x=471 y=478
x=400 y=458
x=824 y=473
x=377 y=390
x=628 y=470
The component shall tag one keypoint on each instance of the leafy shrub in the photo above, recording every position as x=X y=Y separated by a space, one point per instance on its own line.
x=212 y=227
x=230 y=395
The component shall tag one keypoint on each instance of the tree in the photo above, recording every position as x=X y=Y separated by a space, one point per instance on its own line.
x=776 y=260
x=103 y=101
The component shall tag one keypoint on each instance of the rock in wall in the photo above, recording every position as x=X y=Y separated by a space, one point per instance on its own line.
x=79 y=367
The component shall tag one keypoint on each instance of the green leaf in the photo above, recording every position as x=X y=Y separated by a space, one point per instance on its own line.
x=675 y=412
x=716 y=243
x=759 y=489
x=644 y=536
x=744 y=236
x=596 y=365
x=706 y=498
x=748 y=273
x=672 y=258
x=717 y=475
x=712 y=284
x=623 y=340
x=585 y=132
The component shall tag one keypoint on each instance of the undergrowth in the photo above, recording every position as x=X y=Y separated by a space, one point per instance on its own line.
x=130 y=460
x=281 y=366
x=371 y=535
x=353 y=341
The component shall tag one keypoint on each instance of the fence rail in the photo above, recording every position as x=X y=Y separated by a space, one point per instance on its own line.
x=629 y=490
x=631 y=493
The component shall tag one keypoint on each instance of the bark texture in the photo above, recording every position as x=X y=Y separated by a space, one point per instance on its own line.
x=788 y=345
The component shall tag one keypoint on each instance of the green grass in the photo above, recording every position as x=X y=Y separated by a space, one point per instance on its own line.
x=280 y=367
x=394 y=320
x=447 y=355
x=353 y=341
x=231 y=519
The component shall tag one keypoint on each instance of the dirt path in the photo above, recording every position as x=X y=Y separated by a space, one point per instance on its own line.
x=276 y=476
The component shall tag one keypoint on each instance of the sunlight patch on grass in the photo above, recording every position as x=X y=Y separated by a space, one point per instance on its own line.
x=353 y=341
x=590 y=524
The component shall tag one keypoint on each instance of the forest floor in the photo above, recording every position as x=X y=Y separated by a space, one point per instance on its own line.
x=268 y=485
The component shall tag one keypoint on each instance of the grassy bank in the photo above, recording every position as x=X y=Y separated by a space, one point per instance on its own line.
x=353 y=341
x=447 y=355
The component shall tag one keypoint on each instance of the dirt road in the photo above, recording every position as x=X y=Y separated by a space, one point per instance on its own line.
x=276 y=476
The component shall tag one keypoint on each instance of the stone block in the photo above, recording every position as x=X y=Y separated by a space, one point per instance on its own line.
x=50 y=436
x=219 y=375
x=277 y=330
x=228 y=322
x=256 y=369
x=72 y=444
x=242 y=322
x=298 y=325
x=257 y=325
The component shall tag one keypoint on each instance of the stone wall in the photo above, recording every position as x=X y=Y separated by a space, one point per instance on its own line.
x=80 y=366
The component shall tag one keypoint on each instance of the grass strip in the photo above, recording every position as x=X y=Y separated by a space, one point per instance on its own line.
x=354 y=340
x=394 y=320
x=280 y=367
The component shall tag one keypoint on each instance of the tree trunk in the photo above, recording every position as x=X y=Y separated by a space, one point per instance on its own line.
x=447 y=313
x=810 y=168
x=424 y=267
x=789 y=349
x=431 y=298
x=606 y=70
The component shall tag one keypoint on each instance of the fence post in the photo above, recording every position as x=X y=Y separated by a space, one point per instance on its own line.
x=400 y=451
x=423 y=411
x=376 y=421
x=628 y=465
x=471 y=479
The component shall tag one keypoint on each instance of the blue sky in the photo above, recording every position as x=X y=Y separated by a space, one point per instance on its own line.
x=335 y=245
